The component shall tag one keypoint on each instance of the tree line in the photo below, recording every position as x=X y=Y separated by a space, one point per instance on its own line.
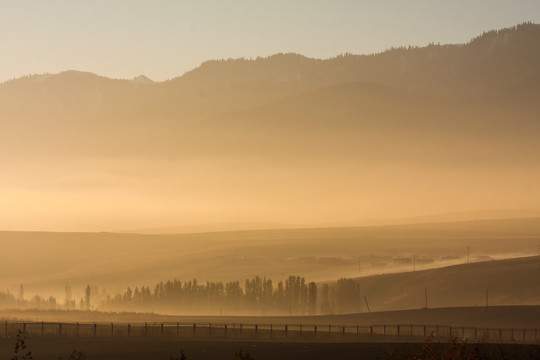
x=258 y=296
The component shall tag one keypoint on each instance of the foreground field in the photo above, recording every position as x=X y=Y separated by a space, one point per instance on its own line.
x=156 y=349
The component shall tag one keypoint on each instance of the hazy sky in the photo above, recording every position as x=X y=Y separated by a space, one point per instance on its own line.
x=163 y=39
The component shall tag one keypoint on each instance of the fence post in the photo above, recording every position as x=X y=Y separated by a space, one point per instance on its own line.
x=42 y=328
x=194 y=328
x=210 y=329
x=59 y=329
x=398 y=330
x=271 y=330
x=476 y=333
x=129 y=330
x=500 y=334
x=177 y=329
x=256 y=329
x=300 y=329
x=226 y=330
x=512 y=334
x=315 y=330
x=437 y=331
x=240 y=330
x=424 y=330
x=329 y=329
x=24 y=327
x=5 y=329
x=371 y=331
x=343 y=331
x=145 y=328
x=450 y=331
x=384 y=330
x=161 y=329
x=77 y=329
x=524 y=335
x=357 y=331
x=95 y=329
x=286 y=330
x=112 y=329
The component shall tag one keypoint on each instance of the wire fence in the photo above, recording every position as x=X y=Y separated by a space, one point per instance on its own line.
x=271 y=331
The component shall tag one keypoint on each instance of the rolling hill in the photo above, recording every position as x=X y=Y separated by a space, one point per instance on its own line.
x=115 y=261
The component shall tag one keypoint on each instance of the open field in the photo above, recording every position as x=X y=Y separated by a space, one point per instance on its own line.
x=495 y=316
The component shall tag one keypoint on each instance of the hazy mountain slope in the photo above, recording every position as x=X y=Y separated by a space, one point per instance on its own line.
x=90 y=114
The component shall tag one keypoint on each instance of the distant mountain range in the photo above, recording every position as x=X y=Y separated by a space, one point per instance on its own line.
x=402 y=86
x=336 y=121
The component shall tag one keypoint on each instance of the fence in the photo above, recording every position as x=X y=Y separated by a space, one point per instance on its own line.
x=310 y=332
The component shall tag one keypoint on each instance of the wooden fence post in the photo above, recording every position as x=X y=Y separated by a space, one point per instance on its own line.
x=240 y=330
x=286 y=330
x=271 y=330
x=384 y=330
x=42 y=328
x=371 y=331
x=425 y=331
x=210 y=329
x=315 y=330
x=5 y=329
x=343 y=331
x=24 y=327
x=226 y=330
x=77 y=329
x=177 y=329
x=398 y=332
x=161 y=329
x=112 y=329
x=194 y=328
x=129 y=330
x=256 y=329
x=145 y=328
x=95 y=329
x=59 y=329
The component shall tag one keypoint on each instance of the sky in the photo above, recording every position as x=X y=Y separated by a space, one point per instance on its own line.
x=163 y=39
